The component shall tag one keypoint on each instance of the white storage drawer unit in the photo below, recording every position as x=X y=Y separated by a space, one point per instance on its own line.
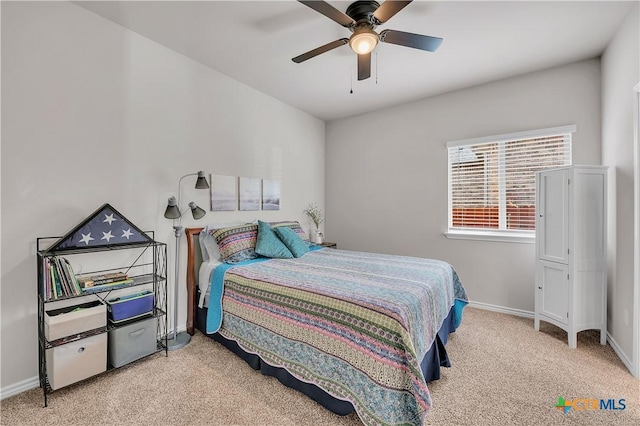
x=131 y=342
x=75 y=319
x=77 y=360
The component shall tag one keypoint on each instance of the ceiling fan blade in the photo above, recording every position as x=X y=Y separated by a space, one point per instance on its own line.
x=417 y=41
x=322 y=49
x=330 y=12
x=388 y=9
x=364 y=66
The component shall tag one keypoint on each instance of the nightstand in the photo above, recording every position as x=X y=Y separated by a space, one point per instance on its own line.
x=328 y=244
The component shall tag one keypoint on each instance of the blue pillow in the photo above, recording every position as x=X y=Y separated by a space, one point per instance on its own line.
x=269 y=245
x=292 y=240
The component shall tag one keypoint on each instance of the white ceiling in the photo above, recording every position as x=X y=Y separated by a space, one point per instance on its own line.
x=254 y=41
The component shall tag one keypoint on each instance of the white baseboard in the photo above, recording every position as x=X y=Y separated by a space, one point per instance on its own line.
x=623 y=357
x=502 y=309
x=19 y=387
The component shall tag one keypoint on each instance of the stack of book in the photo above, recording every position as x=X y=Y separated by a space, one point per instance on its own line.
x=59 y=279
x=102 y=282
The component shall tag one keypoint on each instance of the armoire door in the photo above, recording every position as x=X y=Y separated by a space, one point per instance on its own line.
x=553 y=216
x=553 y=291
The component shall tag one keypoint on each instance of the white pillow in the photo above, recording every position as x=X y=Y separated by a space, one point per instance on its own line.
x=203 y=247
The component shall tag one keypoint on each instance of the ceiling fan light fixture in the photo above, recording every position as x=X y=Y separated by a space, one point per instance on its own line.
x=363 y=41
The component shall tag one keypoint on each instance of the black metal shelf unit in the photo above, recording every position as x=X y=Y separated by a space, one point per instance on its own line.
x=148 y=268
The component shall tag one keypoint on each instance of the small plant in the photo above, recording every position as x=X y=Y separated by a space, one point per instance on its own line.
x=315 y=214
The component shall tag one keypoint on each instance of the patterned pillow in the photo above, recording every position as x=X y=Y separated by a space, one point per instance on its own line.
x=269 y=245
x=208 y=245
x=237 y=243
x=295 y=226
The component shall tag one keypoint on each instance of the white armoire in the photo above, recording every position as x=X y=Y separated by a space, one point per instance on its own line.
x=571 y=249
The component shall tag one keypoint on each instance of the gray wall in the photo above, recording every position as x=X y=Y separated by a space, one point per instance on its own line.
x=93 y=113
x=620 y=73
x=386 y=172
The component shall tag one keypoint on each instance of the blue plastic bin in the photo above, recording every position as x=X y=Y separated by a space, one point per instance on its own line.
x=132 y=305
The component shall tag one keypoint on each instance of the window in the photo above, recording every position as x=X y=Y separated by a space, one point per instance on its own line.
x=492 y=181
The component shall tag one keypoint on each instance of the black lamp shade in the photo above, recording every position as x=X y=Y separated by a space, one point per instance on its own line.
x=172 y=211
x=202 y=183
x=196 y=211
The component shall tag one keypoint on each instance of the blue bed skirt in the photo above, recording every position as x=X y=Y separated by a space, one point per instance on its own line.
x=435 y=358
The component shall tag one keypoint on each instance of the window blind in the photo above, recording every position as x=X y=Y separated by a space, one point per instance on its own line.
x=492 y=183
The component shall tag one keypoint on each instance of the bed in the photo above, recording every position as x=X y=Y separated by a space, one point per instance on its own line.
x=354 y=331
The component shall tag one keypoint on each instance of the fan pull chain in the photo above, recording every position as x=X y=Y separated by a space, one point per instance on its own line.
x=376 y=67
x=351 y=79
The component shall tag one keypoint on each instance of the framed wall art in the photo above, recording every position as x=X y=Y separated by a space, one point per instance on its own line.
x=224 y=193
x=270 y=194
x=249 y=193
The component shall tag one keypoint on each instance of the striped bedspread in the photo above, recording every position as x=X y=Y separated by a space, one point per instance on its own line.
x=355 y=324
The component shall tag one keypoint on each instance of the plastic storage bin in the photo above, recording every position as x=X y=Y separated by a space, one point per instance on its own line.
x=75 y=361
x=133 y=341
x=130 y=306
x=75 y=319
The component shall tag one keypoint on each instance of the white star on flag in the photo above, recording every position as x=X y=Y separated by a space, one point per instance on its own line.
x=86 y=238
x=127 y=233
x=109 y=218
x=106 y=236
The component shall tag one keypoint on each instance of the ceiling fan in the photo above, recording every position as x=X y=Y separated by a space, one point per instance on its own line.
x=361 y=18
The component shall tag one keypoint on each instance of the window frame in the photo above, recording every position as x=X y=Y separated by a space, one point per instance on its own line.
x=501 y=234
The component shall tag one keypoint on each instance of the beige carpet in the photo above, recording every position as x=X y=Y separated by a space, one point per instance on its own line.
x=503 y=373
